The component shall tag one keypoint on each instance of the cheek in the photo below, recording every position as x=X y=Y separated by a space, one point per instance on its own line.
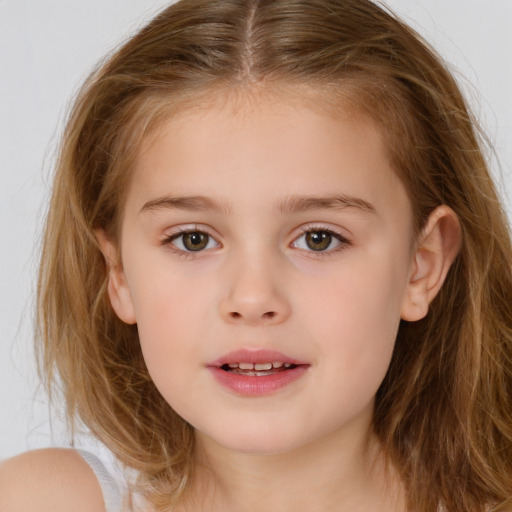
x=169 y=310
x=355 y=319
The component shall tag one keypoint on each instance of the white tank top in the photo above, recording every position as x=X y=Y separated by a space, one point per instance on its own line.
x=111 y=492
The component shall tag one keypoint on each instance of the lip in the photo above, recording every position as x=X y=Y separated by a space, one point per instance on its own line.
x=251 y=385
x=253 y=356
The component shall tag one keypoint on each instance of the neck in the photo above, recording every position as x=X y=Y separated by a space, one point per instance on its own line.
x=335 y=473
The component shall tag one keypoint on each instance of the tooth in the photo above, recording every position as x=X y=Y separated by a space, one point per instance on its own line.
x=246 y=366
x=287 y=365
x=277 y=364
x=233 y=365
x=263 y=366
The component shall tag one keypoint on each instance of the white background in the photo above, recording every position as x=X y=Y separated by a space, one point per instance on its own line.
x=46 y=49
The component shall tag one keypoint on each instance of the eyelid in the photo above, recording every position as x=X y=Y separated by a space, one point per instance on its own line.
x=189 y=228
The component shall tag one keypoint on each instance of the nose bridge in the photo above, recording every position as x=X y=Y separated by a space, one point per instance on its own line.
x=254 y=290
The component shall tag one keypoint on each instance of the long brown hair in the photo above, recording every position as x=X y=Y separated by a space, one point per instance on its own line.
x=444 y=410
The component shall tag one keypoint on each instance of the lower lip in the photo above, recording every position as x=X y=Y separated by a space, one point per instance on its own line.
x=252 y=385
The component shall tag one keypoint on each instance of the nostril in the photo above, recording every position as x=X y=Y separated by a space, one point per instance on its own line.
x=268 y=314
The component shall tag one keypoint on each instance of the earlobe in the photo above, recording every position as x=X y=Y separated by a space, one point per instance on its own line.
x=438 y=246
x=117 y=287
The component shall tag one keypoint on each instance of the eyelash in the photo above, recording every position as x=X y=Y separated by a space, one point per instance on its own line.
x=343 y=242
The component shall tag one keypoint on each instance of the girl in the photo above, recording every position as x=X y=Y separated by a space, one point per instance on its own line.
x=276 y=273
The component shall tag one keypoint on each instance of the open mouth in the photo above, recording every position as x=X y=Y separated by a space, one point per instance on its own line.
x=257 y=372
x=257 y=369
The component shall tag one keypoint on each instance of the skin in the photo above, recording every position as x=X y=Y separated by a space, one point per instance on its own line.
x=258 y=284
x=49 y=480
x=320 y=303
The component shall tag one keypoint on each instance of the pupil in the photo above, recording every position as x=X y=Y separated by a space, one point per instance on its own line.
x=195 y=238
x=195 y=241
x=318 y=240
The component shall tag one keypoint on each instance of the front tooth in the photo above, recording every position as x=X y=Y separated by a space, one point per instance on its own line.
x=263 y=366
x=246 y=366
x=277 y=364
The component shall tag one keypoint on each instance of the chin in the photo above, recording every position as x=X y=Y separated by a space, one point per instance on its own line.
x=262 y=441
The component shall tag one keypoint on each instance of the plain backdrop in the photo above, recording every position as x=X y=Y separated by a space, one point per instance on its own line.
x=48 y=46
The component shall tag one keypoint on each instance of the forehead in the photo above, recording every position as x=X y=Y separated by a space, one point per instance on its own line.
x=256 y=103
x=242 y=147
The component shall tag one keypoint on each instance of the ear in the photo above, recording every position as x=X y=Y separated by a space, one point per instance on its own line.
x=438 y=246
x=118 y=290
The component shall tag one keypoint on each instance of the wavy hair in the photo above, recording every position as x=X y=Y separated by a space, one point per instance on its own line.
x=444 y=410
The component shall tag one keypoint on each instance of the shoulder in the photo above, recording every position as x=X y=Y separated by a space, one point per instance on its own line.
x=56 y=480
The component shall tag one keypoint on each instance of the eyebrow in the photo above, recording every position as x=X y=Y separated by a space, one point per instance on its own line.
x=189 y=203
x=291 y=204
x=295 y=204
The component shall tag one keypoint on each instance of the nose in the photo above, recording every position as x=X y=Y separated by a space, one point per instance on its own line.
x=254 y=295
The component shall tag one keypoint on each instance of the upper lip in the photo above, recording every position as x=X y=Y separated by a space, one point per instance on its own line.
x=253 y=356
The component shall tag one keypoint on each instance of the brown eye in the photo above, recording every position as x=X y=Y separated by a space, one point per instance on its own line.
x=321 y=241
x=193 y=241
x=318 y=240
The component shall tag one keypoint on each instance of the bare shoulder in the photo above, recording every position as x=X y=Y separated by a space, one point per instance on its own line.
x=49 y=480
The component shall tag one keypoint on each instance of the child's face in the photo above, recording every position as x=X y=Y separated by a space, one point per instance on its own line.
x=245 y=186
